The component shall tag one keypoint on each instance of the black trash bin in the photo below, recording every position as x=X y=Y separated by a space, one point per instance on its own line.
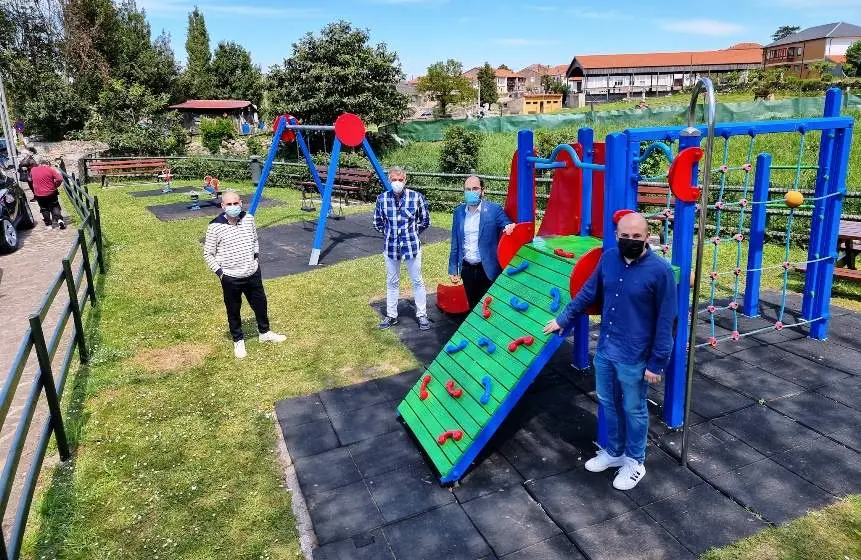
x=256 y=169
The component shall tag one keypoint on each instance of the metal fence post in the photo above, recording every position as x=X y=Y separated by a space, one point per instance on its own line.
x=88 y=271
x=76 y=310
x=100 y=257
x=47 y=379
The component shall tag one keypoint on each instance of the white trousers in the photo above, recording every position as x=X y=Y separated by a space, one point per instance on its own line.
x=393 y=285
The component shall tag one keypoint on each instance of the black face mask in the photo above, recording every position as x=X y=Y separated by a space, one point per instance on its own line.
x=631 y=248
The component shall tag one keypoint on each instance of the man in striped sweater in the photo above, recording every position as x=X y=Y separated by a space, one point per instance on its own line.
x=230 y=251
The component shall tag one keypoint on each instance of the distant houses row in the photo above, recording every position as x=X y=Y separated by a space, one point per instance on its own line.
x=612 y=76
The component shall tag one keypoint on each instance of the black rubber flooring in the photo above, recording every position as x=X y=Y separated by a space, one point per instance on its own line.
x=776 y=423
x=158 y=192
x=285 y=249
x=181 y=211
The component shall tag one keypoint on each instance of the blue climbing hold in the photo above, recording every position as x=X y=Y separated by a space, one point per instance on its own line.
x=518 y=305
x=488 y=387
x=484 y=341
x=557 y=299
x=452 y=348
x=512 y=270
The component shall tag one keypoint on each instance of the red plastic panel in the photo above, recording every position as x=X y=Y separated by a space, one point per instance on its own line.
x=452 y=298
x=562 y=216
x=288 y=135
x=350 y=129
x=681 y=174
x=511 y=197
x=509 y=244
x=584 y=268
x=599 y=157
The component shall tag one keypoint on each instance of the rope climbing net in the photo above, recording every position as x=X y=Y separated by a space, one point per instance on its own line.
x=740 y=204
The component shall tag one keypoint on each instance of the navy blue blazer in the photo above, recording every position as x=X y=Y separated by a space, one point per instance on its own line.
x=493 y=219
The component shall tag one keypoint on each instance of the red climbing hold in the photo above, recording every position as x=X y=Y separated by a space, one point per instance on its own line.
x=456 y=435
x=485 y=307
x=713 y=341
x=563 y=253
x=527 y=340
x=423 y=391
x=454 y=392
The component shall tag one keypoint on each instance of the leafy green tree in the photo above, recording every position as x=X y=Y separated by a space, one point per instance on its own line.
x=504 y=67
x=91 y=45
x=337 y=71
x=852 y=66
x=139 y=58
x=197 y=80
x=236 y=77
x=784 y=31
x=213 y=131
x=460 y=148
x=487 y=83
x=552 y=85
x=445 y=84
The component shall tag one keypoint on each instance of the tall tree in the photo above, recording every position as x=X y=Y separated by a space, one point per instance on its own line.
x=197 y=80
x=487 y=85
x=852 y=66
x=445 y=84
x=337 y=71
x=140 y=59
x=784 y=31
x=91 y=44
x=236 y=77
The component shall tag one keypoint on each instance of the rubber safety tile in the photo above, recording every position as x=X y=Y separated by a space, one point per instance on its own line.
x=554 y=548
x=632 y=536
x=766 y=430
x=407 y=491
x=445 y=532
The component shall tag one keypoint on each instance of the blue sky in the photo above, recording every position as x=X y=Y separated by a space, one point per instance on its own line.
x=501 y=31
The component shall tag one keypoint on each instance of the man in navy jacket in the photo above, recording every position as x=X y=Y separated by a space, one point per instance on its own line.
x=637 y=291
x=475 y=232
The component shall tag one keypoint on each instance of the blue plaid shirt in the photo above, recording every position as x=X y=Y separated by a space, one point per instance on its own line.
x=401 y=220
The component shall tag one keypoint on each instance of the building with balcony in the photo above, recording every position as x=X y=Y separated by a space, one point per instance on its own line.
x=797 y=52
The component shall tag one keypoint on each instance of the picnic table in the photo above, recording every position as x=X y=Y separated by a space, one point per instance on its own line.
x=848 y=242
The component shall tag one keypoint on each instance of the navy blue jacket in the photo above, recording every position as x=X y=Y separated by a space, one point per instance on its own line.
x=638 y=308
x=493 y=219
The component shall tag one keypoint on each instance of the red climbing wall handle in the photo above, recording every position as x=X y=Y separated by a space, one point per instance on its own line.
x=452 y=390
x=456 y=435
x=485 y=307
x=681 y=174
x=527 y=340
x=423 y=391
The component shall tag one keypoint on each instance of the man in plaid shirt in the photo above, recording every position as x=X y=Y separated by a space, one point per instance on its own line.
x=401 y=215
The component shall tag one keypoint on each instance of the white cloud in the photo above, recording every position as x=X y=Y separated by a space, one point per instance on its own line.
x=711 y=27
x=601 y=14
x=540 y=8
x=183 y=6
x=524 y=42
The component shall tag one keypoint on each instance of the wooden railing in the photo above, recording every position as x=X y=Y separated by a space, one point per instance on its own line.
x=46 y=382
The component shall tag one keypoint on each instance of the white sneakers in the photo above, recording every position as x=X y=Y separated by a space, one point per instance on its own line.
x=269 y=336
x=603 y=461
x=629 y=475
x=239 y=349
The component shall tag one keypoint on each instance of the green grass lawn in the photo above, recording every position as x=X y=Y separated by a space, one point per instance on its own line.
x=175 y=442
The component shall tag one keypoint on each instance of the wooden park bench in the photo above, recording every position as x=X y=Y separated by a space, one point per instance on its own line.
x=348 y=181
x=849 y=236
x=140 y=167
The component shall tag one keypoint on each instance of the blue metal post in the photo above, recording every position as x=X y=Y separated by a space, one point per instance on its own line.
x=326 y=205
x=810 y=298
x=838 y=171
x=615 y=176
x=758 y=219
x=381 y=173
x=585 y=137
x=525 y=177
x=685 y=218
x=267 y=166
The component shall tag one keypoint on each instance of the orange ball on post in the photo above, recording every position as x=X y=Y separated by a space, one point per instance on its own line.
x=793 y=199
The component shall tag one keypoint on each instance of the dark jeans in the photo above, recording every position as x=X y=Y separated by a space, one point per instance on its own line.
x=475 y=282
x=49 y=205
x=252 y=288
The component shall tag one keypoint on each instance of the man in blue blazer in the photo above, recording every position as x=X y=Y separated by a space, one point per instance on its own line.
x=475 y=232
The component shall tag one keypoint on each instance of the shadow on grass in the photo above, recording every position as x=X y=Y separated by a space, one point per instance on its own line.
x=58 y=503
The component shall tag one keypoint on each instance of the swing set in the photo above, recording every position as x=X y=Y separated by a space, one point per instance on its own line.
x=350 y=131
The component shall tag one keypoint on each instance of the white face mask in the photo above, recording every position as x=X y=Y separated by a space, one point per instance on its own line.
x=398 y=187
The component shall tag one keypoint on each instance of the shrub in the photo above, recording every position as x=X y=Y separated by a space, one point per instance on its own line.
x=547 y=139
x=255 y=148
x=213 y=131
x=460 y=149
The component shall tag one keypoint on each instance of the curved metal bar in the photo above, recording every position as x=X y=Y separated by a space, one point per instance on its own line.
x=666 y=150
x=572 y=152
x=703 y=84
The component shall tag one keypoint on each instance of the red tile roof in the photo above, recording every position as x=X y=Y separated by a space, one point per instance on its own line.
x=558 y=70
x=212 y=104
x=503 y=73
x=695 y=58
x=836 y=58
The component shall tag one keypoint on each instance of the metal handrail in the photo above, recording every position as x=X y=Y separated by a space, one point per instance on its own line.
x=702 y=85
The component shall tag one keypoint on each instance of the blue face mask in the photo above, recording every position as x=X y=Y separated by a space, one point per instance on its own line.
x=472 y=198
x=233 y=211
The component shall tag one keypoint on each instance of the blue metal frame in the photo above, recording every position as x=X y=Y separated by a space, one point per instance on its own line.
x=525 y=177
x=756 y=237
x=267 y=166
x=326 y=204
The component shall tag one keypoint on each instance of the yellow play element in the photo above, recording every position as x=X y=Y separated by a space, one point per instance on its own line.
x=793 y=199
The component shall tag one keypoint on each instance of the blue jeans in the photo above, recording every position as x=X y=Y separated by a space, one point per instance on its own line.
x=621 y=392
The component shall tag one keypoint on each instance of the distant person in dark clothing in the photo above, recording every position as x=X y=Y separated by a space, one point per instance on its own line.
x=25 y=164
x=46 y=183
